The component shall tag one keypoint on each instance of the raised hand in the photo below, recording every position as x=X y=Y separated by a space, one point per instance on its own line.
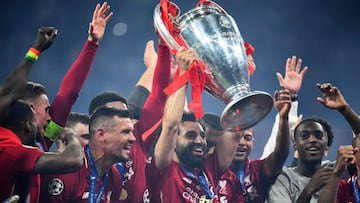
x=333 y=99
x=282 y=102
x=98 y=24
x=67 y=136
x=45 y=38
x=344 y=157
x=150 y=55
x=293 y=75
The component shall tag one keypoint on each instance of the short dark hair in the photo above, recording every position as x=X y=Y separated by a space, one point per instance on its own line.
x=19 y=112
x=104 y=114
x=104 y=97
x=212 y=120
x=33 y=90
x=76 y=117
x=188 y=116
x=324 y=123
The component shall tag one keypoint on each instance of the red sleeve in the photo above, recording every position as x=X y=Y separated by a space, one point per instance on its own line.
x=154 y=106
x=58 y=188
x=26 y=158
x=72 y=84
x=345 y=191
x=229 y=188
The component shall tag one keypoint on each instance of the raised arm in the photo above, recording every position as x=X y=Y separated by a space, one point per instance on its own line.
x=275 y=161
x=12 y=86
x=154 y=106
x=292 y=81
x=174 y=108
x=67 y=161
x=333 y=99
x=75 y=78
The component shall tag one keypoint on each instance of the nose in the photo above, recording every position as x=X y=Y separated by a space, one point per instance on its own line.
x=48 y=117
x=242 y=140
x=312 y=138
x=132 y=137
x=199 y=139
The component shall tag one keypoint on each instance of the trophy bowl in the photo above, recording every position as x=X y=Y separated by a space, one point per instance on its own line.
x=216 y=39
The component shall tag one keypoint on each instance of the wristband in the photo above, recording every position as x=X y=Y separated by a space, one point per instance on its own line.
x=52 y=130
x=32 y=54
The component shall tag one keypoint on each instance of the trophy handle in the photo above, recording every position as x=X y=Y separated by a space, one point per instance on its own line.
x=163 y=31
x=213 y=4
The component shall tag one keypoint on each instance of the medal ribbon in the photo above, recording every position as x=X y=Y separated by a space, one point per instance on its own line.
x=241 y=177
x=355 y=188
x=202 y=182
x=93 y=198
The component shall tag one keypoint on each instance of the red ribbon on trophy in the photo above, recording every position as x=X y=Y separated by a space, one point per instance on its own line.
x=195 y=74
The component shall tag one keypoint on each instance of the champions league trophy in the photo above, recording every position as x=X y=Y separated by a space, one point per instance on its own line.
x=216 y=39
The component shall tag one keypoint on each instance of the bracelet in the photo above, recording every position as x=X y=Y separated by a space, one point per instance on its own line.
x=32 y=54
x=294 y=98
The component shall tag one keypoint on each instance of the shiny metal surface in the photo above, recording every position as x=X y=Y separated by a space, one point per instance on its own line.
x=216 y=39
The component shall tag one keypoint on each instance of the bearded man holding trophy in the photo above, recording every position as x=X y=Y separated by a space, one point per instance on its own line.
x=211 y=54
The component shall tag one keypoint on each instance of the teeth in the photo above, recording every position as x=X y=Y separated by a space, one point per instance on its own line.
x=313 y=148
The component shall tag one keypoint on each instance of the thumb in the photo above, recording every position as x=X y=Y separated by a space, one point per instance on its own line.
x=321 y=100
x=280 y=79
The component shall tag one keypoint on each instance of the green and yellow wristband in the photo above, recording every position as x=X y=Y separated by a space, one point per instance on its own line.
x=32 y=54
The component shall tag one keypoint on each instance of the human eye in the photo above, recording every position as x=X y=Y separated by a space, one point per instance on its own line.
x=319 y=135
x=248 y=137
x=304 y=135
x=191 y=135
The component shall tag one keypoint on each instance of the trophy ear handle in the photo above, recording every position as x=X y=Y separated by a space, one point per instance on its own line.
x=213 y=4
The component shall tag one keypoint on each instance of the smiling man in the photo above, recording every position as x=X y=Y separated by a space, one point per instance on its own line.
x=302 y=183
x=111 y=138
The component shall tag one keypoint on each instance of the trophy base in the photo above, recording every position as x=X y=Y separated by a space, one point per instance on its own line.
x=246 y=111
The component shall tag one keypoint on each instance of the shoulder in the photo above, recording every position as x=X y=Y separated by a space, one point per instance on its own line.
x=286 y=176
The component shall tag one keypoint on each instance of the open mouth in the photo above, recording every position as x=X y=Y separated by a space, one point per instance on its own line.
x=240 y=151
x=198 y=150
x=313 y=149
x=127 y=148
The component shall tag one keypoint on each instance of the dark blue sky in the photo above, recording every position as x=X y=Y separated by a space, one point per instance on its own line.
x=324 y=33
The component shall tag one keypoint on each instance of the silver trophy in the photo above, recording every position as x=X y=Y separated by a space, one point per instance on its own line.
x=216 y=39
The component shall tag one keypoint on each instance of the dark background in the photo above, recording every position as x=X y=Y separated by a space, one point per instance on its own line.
x=325 y=34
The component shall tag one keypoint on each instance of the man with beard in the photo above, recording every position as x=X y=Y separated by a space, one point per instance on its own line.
x=111 y=138
x=302 y=183
x=178 y=171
